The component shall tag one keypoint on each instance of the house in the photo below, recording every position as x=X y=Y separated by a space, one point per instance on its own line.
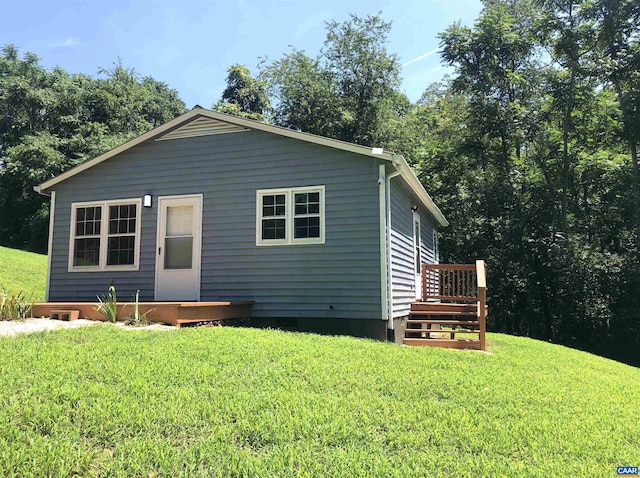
x=322 y=235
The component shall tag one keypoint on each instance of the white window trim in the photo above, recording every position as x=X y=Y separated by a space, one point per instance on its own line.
x=104 y=233
x=289 y=240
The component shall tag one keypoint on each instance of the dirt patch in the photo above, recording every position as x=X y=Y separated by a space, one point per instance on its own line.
x=14 y=327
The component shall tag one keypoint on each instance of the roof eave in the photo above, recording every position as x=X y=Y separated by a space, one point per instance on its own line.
x=414 y=183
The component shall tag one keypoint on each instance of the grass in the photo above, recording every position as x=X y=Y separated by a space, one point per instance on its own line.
x=21 y=270
x=101 y=401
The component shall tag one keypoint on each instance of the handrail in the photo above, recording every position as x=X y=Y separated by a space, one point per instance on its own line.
x=458 y=283
x=449 y=282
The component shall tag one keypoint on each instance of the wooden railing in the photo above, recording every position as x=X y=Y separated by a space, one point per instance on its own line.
x=466 y=283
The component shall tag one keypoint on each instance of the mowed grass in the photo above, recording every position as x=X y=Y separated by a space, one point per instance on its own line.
x=21 y=270
x=101 y=401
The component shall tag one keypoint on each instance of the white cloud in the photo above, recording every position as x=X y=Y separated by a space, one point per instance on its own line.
x=421 y=57
x=64 y=43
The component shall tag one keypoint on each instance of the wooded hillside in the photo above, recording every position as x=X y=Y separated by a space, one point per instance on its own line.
x=530 y=150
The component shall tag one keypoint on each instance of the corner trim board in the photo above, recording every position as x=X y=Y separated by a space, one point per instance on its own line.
x=52 y=212
x=382 y=202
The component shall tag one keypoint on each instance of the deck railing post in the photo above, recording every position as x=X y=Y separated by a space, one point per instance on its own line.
x=481 y=273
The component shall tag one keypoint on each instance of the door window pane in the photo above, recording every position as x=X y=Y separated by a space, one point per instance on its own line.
x=179 y=220
x=178 y=252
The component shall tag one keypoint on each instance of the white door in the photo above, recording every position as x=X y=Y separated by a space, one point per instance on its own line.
x=417 y=254
x=179 y=243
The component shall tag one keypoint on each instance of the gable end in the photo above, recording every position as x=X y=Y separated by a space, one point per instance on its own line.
x=202 y=127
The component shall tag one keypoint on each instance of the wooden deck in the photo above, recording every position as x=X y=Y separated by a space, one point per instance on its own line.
x=173 y=313
x=453 y=309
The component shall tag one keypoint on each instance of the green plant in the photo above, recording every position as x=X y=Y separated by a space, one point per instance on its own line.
x=137 y=319
x=108 y=305
x=15 y=305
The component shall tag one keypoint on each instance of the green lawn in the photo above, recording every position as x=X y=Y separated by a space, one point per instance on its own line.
x=21 y=270
x=102 y=401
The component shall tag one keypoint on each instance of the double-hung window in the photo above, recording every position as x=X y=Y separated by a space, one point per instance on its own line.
x=290 y=216
x=105 y=235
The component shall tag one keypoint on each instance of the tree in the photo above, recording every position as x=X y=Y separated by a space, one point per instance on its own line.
x=617 y=55
x=350 y=91
x=51 y=121
x=244 y=95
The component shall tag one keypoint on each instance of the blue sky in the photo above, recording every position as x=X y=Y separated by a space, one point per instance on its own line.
x=189 y=44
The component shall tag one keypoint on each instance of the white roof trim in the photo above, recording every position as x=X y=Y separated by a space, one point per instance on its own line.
x=397 y=160
x=414 y=183
x=202 y=126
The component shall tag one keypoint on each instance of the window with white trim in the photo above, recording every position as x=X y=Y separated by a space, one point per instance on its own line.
x=290 y=216
x=105 y=235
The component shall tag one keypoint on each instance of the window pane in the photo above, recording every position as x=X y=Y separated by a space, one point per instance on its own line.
x=179 y=221
x=307 y=203
x=88 y=221
x=178 y=252
x=273 y=229
x=86 y=252
x=306 y=227
x=120 y=250
x=273 y=205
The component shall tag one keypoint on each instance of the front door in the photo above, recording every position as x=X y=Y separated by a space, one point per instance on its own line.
x=179 y=243
x=417 y=255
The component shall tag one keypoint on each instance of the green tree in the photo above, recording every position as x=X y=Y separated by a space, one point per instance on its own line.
x=617 y=56
x=350 y=91
x=51 y=121
x=244 y=95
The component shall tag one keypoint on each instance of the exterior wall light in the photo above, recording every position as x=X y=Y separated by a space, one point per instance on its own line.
x=146 y=200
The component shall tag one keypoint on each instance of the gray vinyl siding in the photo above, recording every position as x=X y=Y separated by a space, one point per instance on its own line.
x=339 y=279
x=403 y=291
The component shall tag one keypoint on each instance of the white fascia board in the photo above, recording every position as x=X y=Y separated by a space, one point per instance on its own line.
x=308 y=137
x=416 y=186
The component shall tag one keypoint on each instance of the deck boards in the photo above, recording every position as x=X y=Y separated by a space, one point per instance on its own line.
x=174 y=313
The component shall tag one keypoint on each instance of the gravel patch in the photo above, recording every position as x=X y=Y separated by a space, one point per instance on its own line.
x=10 y=328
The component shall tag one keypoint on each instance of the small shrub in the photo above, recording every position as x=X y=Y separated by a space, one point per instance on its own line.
x=15 y=306
x=108 y=305
x=136 y=319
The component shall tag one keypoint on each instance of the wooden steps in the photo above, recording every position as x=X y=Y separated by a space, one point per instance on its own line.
x=446 y=325
x=453 y=311
x=444 y=343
